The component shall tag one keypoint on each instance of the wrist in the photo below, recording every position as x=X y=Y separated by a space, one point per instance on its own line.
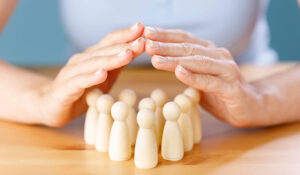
x=32 y=101
x=269 y=107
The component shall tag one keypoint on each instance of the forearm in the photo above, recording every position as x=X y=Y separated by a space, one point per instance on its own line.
x=19 y=91
x=280 y=94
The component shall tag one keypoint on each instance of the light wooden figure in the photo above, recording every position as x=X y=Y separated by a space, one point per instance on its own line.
x=91 y=117
x=195 y=114
x=129 y=97
x=160 y=98
x=172 y=145
x=119 y=143
x=147 y=103
x=145 y=155
x=185 y=121
x=104 y=123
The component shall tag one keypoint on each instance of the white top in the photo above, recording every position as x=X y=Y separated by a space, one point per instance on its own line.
x=239 y=25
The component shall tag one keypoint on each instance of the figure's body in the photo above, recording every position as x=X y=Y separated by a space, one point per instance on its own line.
x=172 y=144
x=195 y=113
x=160 y=97
x=91 y=117
x=104 y=123
x=145 y=154
x=128 y=96
x=185 y=121
x=119 y=141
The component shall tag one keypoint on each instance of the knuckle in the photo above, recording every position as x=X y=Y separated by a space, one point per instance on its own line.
x=224 y=52
x=203 y=61
x=208 y=83
x=187 y=49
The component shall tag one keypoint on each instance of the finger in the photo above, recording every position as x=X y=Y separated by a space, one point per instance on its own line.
x=106 y=62
x=196 y=64
x=123 y=35
x=179 y=49
x=203 y=82
x=137 y=46
x=74 y=87
x=174 y=36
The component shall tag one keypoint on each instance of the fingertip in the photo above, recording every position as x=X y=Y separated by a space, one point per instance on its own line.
x=103 y=77
x=155 y=62
x=140 y=25
x=183 y=74
x=138 y=28
x=138 y=46
x=129 y=52
x=151 y=48
x=126 y=53
x=125 y=56
x=100 y=75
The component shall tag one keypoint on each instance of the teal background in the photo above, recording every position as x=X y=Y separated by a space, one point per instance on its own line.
x=35 y=36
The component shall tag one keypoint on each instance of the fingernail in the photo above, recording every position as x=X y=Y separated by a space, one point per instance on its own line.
x=98 y=72
x=182 y=70
x=135 y=43
x=134 y=27
x=154 y=45
x=161 y=59
x=123 y=53
x=150 y=31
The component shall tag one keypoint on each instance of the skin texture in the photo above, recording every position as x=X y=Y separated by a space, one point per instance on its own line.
x=225 y=93
x=54 y=102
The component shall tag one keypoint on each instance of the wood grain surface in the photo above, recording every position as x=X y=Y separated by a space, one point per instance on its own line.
x=224 y=150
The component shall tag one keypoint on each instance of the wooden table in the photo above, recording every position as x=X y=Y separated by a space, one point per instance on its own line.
x=223 y=150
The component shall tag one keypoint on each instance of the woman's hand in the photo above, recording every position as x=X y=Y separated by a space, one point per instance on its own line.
x=212 y=70
x=63 y=99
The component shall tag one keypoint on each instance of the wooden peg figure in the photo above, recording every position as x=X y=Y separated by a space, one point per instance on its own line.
x=147 y=103
x=91 y=117
x=172 y=145
x=129 y=97
x=195 y=114
x=119 y=143
x=145 y=155
x=160 y=98
x=185 y=121
x=104 y=123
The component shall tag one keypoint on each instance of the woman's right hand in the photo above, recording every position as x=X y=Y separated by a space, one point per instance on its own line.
x=213 y=71
x=63 y=98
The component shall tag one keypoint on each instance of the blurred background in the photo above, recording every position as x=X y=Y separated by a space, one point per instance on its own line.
x=35 y=36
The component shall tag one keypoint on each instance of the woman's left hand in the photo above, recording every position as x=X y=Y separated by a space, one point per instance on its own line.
x=213 y=71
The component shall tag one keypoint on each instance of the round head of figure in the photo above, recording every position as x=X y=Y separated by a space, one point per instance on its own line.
x=119 y=111
x=92 y=96
x=104 y=103
x=145 y=118
x=184 y=102
x=193 y=94
x=159 y=96
x=128 y=96
x=171 y=111
x=147 y=103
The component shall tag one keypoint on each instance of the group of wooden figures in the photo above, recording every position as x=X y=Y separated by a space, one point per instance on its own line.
x=114 y=127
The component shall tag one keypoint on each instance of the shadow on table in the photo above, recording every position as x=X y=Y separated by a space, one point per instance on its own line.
x=222 y=144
